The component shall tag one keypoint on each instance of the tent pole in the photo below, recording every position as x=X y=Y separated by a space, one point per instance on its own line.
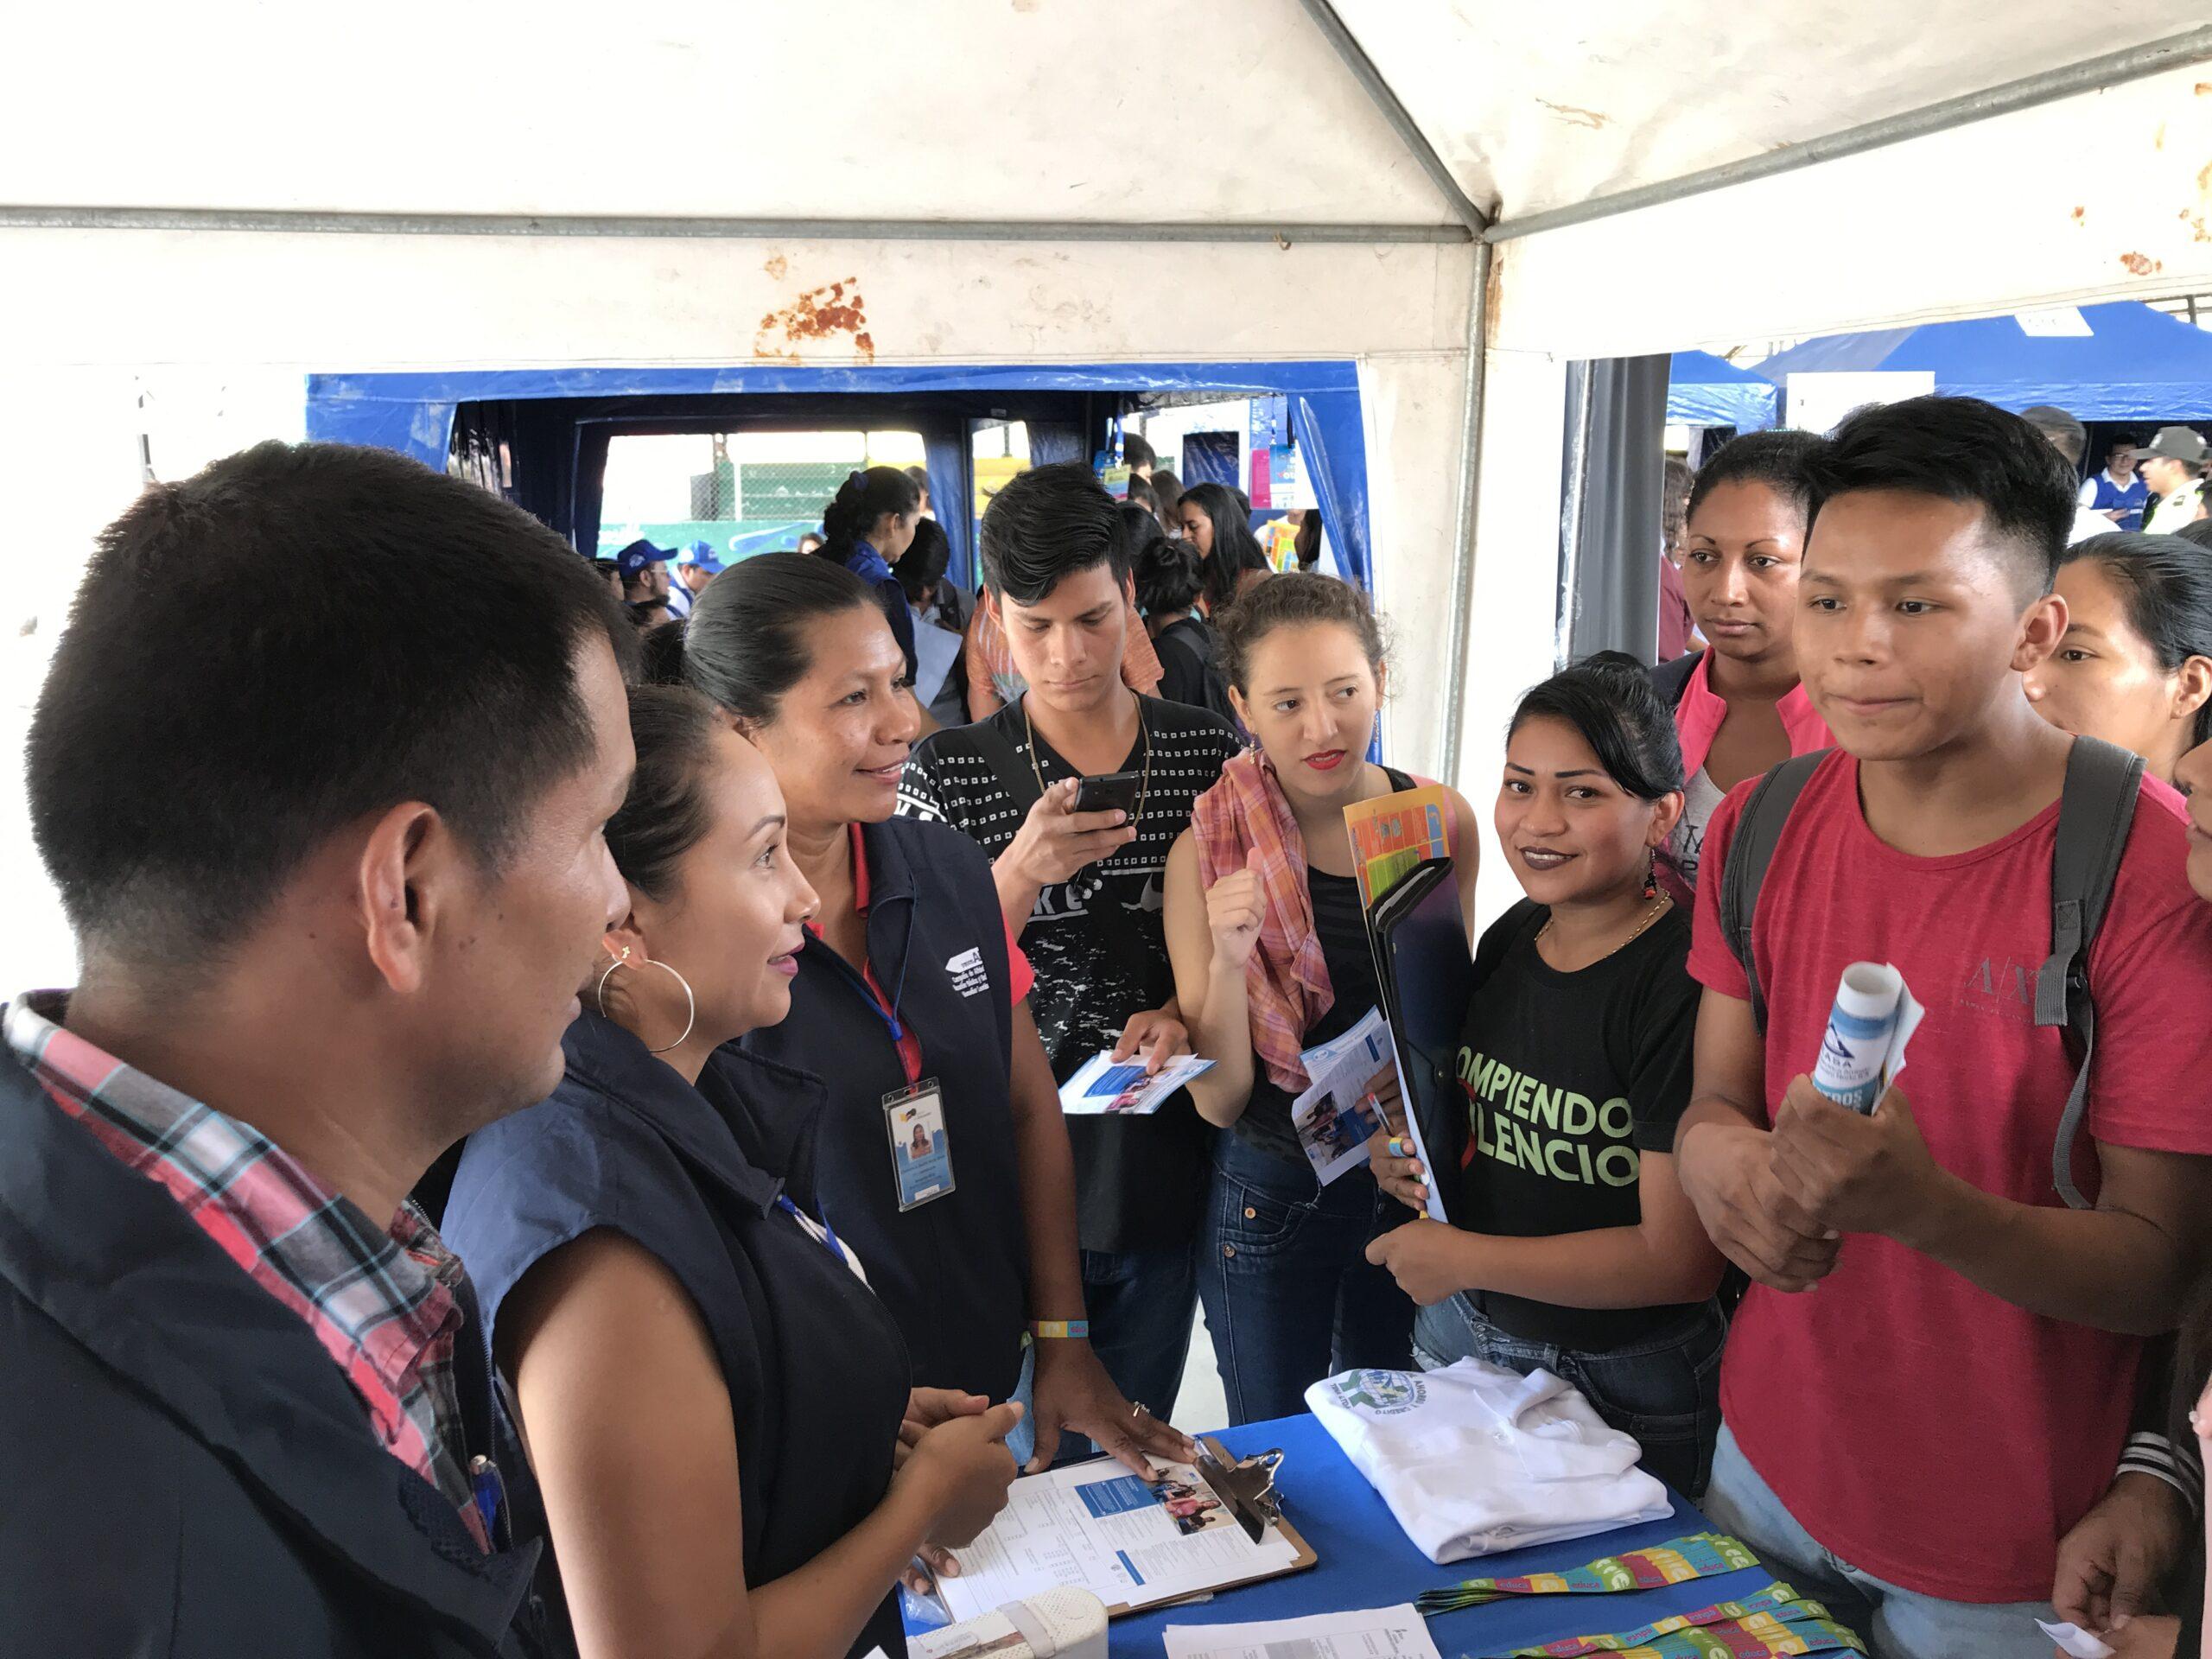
x=1460 y=624
x=1370 y=79
x=285 y=221
x=2093 y=75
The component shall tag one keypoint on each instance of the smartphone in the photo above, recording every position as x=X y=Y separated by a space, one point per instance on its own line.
x=1106 y=793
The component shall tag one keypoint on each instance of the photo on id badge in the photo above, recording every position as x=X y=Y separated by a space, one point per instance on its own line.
x=921 y=1159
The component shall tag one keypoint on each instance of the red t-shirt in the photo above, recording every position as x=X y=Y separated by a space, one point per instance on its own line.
x=1919 y=1427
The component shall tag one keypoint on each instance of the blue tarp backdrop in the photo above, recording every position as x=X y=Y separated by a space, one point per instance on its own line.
x=1703 y=390
x=2134 y=363
x=414 y=413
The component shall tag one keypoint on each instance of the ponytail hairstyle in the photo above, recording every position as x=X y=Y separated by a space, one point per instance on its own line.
x=745 y=644
x=1609 y=699
x=1236 y=550
x=1167 y=576
x=1296 y=598
x=862 y=499
x=2164 y=584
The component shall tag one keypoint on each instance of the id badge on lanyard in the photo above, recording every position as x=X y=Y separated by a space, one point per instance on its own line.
x=921 y=1154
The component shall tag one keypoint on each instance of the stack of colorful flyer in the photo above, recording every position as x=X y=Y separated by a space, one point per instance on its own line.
x=1394 y=835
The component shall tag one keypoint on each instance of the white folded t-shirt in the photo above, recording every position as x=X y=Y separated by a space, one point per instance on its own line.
x=1475 y=1458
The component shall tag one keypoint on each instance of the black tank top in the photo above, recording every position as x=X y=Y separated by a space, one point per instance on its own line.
x=1342 y=928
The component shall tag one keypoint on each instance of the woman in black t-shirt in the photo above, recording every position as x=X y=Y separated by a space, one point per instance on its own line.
x=1580 y=1253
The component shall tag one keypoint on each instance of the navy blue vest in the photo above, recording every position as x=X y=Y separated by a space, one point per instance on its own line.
x=955 y=1272
x=817 y=1375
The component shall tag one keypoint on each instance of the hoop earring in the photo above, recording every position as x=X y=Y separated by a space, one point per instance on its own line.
x=690 y=1002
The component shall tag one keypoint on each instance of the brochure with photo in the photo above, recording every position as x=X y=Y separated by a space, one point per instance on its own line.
x=1121 y=1088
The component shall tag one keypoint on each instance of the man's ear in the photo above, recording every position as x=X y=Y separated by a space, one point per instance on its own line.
x=2041 y=630
x=408 y=884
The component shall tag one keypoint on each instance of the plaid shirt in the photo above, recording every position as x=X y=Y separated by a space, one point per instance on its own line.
x=383 y=1305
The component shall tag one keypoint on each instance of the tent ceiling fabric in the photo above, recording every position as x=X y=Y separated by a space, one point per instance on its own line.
x=1536 y=108
x=982 y=108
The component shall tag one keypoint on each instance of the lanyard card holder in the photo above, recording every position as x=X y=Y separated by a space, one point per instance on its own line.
x=921 y=1155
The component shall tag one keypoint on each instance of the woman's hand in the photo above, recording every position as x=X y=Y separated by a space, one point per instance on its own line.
x=1156 y=1034
x=965 y=1463
x=1427 y=1259
x=1234 y=914
x=925 y=1409
x=1390 y=1149
x=1074 y=1393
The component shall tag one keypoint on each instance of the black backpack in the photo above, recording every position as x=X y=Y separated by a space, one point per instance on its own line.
x=2095 y=810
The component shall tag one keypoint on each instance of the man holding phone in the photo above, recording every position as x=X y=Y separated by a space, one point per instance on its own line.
x=1076 y=790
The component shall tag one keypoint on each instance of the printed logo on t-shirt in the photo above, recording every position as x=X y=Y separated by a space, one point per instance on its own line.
x=1526 y=1124
x=969 y=977
x=2003 y=987
x=1379 y=1393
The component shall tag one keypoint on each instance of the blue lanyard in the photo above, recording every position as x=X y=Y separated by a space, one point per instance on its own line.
x=828 y=1240
x=858 y=981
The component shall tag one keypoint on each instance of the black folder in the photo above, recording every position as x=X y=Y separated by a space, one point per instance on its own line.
x=1426 y=976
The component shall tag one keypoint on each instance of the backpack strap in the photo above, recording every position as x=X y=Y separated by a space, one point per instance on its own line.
x=2096 y=809
x=1750 y=851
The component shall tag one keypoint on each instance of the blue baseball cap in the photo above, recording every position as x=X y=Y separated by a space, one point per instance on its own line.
x=702 y=554
x=633 y=560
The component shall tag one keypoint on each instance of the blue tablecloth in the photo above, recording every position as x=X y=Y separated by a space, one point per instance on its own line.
x=1367 y=1561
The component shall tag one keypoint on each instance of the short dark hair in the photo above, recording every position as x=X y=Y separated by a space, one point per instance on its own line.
x=1957 y=450
x=744 y=645
x=1167 y=578
x=2165 y=584
x=1141 y=495
x=666 y=813
x=926 y=562
x=1609 y=699
x=1047 y=525
x=862 y=499
x=1235 y=548
x=189 y=752
x=921 y=477
x=1295 y=598
x=2199 y=531
x=1775 y=459
x=2060 y=430
x=1136 y=452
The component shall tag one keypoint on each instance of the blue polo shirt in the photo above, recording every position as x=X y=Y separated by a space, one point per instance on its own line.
x=816 y=1369
x=954 y=1271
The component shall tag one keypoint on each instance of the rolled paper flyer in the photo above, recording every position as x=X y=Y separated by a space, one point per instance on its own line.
x=1863 y=1049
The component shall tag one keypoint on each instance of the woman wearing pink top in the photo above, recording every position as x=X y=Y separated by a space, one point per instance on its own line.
x=1740 y=710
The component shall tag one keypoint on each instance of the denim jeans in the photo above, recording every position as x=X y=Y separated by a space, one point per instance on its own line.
x=1898 y=1622
x=1666 y=1391
x=1140 y=1303
x=1290 y=1297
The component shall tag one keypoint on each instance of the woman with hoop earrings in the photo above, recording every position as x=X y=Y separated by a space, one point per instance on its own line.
x=724 y=1449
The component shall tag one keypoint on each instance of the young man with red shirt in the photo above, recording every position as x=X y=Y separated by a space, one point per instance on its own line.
x=1930 y=1379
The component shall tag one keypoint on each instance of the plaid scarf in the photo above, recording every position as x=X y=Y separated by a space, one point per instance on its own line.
x=1287 y=980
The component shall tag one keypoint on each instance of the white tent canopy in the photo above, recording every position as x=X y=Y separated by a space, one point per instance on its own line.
x=198 y=206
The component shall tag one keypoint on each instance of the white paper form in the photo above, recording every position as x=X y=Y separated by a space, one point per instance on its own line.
x=1335 y=1115
x=1102 y=1086
x=1382 y=1633
x=1096 y=1525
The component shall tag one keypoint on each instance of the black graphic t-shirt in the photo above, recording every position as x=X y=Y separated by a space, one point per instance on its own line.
x=1570 y=1079
x=1099 y=949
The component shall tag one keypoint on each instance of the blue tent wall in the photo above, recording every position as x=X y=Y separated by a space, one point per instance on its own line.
x=414 y=413
x=1703 y=390
x=2136 y=364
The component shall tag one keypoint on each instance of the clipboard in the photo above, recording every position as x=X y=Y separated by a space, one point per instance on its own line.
x=1234 y=1488
x=1303 y=1556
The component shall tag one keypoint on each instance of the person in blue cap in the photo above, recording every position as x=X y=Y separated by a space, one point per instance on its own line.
x=643 y=569
x=696 y=566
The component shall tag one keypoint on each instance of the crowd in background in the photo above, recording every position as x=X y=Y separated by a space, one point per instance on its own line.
x=557 y=1144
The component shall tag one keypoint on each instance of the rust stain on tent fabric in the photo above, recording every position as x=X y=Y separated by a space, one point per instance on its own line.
x=1581 y=118
x=821 y=314
x=2141 y=265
